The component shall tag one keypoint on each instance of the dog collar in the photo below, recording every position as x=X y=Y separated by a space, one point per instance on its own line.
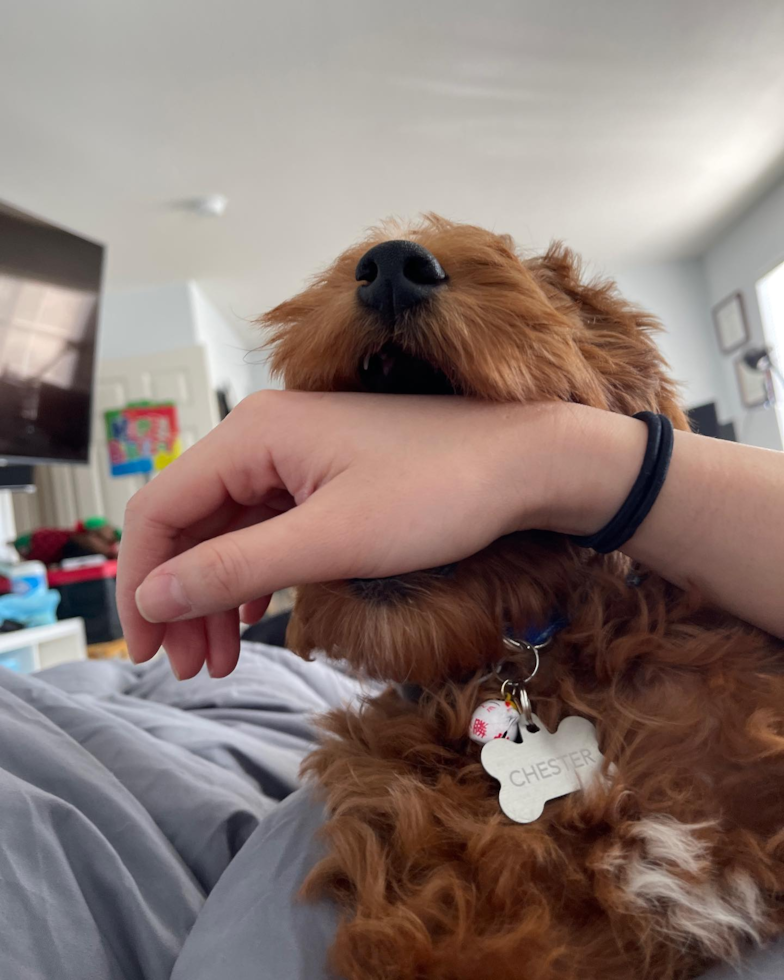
x=536 y=636
x=533 y=638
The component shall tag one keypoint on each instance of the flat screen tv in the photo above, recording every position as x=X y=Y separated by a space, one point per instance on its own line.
x=50 y=285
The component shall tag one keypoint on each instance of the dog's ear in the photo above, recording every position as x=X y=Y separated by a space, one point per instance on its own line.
x=618 y=340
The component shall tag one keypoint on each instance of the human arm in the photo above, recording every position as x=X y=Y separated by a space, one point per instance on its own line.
x=717 y=525
x=299 y=487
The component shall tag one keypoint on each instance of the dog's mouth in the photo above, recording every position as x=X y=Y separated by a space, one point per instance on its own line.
x=395 y=371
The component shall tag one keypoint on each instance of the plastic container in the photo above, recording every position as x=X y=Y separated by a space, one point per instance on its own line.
x=28 y=578
x=90 y=594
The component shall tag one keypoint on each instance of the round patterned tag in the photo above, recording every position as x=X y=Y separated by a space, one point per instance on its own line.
x=494 y=719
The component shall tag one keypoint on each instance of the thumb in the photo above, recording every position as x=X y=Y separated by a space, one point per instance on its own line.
x=315 y=542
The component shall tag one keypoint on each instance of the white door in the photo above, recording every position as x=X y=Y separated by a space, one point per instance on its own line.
x=67 y=494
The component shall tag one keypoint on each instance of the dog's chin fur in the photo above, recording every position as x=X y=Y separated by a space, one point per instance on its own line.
x=425 y=629
x=674 y=862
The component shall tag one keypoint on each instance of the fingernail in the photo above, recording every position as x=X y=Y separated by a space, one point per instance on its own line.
x=174 y=670
x=162 y=599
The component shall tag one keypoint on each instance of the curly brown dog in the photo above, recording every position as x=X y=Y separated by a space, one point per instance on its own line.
x=676 y=859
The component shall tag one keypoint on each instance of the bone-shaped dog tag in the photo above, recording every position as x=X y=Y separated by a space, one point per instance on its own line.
x=544 y=766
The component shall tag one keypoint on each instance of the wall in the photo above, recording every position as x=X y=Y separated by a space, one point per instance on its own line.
x=676 y=293
x=162 y=318
x=770 y=295
x=145 y=321
x=260 y=375
x=682 y=294
x=743 y=254
x=227 y=349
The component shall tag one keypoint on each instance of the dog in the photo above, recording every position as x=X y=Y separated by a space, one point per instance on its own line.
x=671 y=861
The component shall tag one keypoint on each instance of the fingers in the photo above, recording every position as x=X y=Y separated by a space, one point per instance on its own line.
x=223 y=642
x=251 y=612
x=146 y=548
x=315 y=542
x=214 y=640
x=191 y=491
x=186 y=646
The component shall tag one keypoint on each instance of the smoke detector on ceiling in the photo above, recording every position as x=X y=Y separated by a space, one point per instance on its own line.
x=210 y=206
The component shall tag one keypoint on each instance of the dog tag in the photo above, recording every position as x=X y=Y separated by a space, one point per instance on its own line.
x=544 y=766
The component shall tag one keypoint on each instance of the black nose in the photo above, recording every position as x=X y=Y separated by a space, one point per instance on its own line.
x=397 y=275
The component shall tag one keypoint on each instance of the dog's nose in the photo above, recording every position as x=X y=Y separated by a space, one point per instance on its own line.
x=397 y=275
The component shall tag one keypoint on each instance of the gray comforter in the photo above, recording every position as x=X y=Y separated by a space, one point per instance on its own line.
x=142 y=835
x=125 y=796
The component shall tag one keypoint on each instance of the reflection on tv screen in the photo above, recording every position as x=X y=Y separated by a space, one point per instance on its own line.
x=49 y=291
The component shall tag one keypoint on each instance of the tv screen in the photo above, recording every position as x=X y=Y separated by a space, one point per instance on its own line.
x=50 y=283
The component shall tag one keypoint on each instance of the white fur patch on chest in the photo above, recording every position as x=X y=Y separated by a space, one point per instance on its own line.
x=667 y=870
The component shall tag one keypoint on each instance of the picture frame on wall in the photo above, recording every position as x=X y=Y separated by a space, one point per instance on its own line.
x=755 y=386
x=729 y=319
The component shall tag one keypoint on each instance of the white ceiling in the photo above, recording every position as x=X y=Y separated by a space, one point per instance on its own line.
x=632 y=129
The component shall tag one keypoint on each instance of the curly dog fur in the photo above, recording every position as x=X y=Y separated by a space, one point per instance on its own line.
x=674 y=863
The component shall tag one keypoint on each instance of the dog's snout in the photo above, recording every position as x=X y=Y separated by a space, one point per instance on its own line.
x=397 y=275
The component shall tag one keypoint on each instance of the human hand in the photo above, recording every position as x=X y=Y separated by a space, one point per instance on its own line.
x=296 y=487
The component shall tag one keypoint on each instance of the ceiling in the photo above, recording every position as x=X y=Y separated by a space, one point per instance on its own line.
x=634 y=130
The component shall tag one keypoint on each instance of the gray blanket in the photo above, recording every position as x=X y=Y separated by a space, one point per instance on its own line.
x=125 y=796
x=142 y=835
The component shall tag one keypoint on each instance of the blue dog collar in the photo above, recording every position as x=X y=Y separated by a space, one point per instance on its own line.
x=537 y=636
x=532 y=638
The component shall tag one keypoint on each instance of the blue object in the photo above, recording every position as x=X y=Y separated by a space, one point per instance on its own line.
x=21 y=660
x=141 y=465
x=33 y=609
x=537 y=635
x=30 y=584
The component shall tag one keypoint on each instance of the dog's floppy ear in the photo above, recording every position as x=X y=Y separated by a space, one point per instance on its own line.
x=600 y=305
x=619 y=339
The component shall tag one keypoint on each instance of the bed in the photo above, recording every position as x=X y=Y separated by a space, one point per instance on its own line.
x=153 y=829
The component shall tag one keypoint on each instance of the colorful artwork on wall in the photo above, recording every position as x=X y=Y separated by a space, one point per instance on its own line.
x=143 y=437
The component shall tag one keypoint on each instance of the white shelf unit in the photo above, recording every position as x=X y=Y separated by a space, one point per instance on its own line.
x=45 y=646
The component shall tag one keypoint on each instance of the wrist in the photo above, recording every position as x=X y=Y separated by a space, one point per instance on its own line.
x=587 y=460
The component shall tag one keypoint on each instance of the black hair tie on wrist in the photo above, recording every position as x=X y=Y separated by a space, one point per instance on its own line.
x=643 y=494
